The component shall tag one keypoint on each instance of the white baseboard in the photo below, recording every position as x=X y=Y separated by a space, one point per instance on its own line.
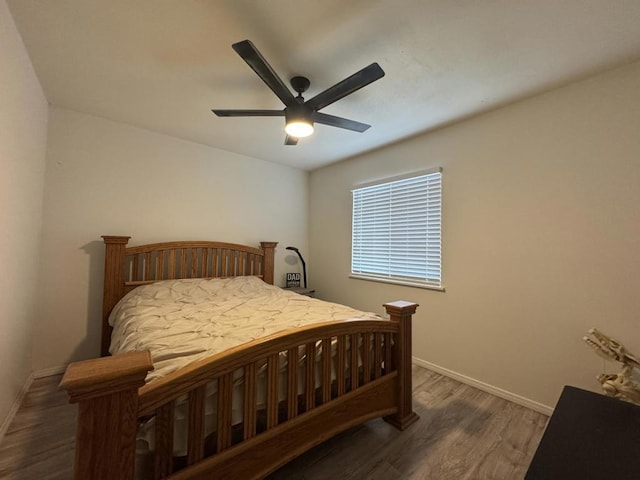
x=15 y=406
x=485 y=387
x=48 y=372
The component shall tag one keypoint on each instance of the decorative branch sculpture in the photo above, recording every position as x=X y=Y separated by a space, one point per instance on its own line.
x=626 y=384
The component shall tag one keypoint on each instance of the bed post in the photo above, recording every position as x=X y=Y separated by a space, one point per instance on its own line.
x=113 y=283
x=268 y=261
x=106 y=390
x=401 y=313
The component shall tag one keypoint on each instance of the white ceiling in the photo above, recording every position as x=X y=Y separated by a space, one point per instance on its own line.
x=164 y=64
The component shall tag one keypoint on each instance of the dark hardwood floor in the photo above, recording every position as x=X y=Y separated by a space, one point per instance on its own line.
x=463 y=434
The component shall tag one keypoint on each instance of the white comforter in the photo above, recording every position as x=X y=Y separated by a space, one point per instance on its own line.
x=181 y=321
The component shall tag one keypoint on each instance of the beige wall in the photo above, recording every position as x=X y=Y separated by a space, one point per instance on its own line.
x=107 y=178
x=541 y=237
x=23 y=134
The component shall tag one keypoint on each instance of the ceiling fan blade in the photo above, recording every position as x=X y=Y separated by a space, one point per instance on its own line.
x=340 y=122
x=248 y=113
x=289 y=140
x=347 y=86
x=256 y=61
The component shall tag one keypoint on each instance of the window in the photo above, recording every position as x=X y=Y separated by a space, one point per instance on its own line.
x=396 y=230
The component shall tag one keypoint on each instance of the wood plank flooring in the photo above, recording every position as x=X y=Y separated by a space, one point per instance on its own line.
x=463 y=434
x=40 y=441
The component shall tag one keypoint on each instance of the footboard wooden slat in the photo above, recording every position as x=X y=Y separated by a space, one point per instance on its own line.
x=225 y=404
x=366 y=358
x=310 y=377
x=249 y=401
x=163 y=458
x=340 y=364
x=195 y=444
x=272 y=390
x=388 y=359
x=353 y=343
x=377 y=355
x=292 y=383
x=326 y=370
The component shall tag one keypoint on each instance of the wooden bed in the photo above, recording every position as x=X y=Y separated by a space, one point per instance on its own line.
x=371 y=380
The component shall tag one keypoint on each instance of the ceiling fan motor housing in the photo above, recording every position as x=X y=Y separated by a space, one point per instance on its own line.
x=300 y=84
x=299 y=112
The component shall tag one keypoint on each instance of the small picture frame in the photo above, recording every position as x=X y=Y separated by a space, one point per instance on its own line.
x=293 y=280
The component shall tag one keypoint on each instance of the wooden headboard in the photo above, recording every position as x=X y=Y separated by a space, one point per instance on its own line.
x=128 y=267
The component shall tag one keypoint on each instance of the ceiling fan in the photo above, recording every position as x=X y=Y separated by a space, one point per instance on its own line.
x=299 y=114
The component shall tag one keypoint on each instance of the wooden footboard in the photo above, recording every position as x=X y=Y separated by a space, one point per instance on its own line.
x=352 y=371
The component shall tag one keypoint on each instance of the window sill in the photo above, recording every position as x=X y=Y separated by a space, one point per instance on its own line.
x=397 y=282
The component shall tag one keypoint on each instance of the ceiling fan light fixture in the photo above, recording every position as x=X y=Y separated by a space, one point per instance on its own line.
x=299 y=121
x=299 y=128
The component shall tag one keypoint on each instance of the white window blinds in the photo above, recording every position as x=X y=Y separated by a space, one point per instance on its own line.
x=396 y=230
